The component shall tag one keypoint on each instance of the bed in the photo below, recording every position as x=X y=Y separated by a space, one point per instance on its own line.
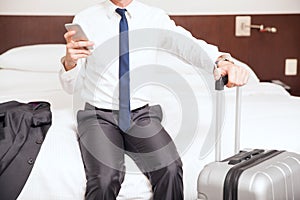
x=270 y=118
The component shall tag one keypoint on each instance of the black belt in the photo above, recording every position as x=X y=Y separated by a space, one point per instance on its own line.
x=108 y=110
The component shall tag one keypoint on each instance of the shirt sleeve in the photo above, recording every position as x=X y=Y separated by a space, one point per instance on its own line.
x=187 y=46
x=71 y=80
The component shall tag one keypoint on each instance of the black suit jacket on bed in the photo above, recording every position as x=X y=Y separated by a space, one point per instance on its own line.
x=23 y=128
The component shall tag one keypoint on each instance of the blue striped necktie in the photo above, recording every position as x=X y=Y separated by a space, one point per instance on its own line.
x=124 y=93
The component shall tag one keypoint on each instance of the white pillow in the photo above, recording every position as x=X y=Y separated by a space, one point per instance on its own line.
x=38 y=58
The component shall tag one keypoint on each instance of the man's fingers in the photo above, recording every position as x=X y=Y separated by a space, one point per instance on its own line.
x=246 y=76
x=237 y=76
x=71 y=59
x=76 y=44
x=242 y=77
x=79 y=51
x=78 y=56
x=68 y=36
x=75 y=54
x=232 y=77
x=79 y=44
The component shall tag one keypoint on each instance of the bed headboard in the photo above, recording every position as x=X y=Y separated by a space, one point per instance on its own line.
x=264 y=52
x=25 y=30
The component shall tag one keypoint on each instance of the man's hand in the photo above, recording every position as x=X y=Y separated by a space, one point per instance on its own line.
x=237 y=76
x=75 y=50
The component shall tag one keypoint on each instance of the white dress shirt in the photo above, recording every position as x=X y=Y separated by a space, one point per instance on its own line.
x=97 y=76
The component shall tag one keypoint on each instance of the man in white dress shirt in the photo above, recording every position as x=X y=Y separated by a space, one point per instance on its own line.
x=102 y=142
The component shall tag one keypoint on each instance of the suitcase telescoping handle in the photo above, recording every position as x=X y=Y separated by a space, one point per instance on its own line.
x=219 y=87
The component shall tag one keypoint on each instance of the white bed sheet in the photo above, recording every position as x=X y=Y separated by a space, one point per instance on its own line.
x=270 y=118
x=58 y=171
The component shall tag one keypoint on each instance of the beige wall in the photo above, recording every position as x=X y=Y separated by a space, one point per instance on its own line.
x=70 y=7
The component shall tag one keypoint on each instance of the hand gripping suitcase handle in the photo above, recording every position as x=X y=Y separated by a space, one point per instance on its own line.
x=219 y=84
x=219 y=87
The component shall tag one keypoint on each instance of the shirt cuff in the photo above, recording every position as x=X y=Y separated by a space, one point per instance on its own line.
x=67 y=75
x=224 y=57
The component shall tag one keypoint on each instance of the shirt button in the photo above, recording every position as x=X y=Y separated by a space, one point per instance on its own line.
x=30 y=161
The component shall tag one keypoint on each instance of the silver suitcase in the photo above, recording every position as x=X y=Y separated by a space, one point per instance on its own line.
x=248 y=175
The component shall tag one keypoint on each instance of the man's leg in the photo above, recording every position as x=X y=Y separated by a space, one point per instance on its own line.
x=102 y=152
x=154 y=152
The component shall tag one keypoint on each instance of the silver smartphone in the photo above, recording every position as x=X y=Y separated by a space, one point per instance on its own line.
x=79 y=35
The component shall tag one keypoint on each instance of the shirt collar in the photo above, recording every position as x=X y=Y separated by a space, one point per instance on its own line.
x=111 y=9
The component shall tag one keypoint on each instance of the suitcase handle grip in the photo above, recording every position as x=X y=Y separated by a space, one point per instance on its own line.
x=219 y=85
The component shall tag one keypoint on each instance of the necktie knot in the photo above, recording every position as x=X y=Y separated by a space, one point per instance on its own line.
x=121 y=12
